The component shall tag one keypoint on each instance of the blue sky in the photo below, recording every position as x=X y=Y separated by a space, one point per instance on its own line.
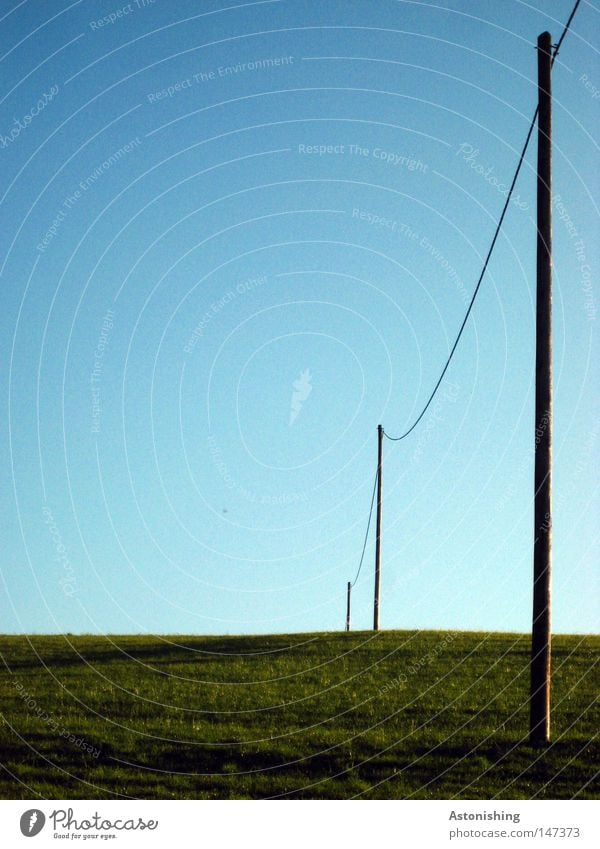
x=235 y=239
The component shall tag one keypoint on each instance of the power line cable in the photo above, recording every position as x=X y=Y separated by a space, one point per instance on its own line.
x=489 y=253
x=362 y=556
x=565 y=31
x=474 y=296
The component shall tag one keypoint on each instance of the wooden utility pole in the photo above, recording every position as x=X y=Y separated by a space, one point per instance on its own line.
x=348 y=606
x=539 y=729
x=378 y=539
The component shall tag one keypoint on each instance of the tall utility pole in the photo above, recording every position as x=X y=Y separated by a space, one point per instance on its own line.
x=539 y=728
x=348 y=606
x=378 y=540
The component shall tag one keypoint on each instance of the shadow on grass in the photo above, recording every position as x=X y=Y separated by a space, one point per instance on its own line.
x=194 y=651
x=464 y=770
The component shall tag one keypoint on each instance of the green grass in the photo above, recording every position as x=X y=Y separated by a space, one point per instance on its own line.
x=393 y=715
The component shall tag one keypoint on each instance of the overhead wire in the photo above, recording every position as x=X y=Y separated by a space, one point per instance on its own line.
x=364 y=548
x=565 y=31
x=556 y=49
x=489 y=253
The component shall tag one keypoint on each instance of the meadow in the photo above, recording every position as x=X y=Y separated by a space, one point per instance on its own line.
x=387 y=715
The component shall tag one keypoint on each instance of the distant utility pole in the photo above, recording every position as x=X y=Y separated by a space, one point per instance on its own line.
x=348 y=606
x=378 y=540
x=539 y=729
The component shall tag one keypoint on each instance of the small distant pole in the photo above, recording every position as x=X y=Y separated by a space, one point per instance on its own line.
x=378 y=539
x=348 y=606
x=539 y=729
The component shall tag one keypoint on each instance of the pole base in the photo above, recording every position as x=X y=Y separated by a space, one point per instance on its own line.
x=539 y=741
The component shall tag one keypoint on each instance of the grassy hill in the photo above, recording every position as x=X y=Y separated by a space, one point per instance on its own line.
x=396 y=714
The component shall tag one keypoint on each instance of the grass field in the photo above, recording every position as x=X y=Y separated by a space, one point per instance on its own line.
x=391 y=715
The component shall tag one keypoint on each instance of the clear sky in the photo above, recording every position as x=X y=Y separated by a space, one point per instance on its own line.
x=235 y=238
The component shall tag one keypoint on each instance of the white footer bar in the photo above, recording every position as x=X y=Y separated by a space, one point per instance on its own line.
x=301 y=824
